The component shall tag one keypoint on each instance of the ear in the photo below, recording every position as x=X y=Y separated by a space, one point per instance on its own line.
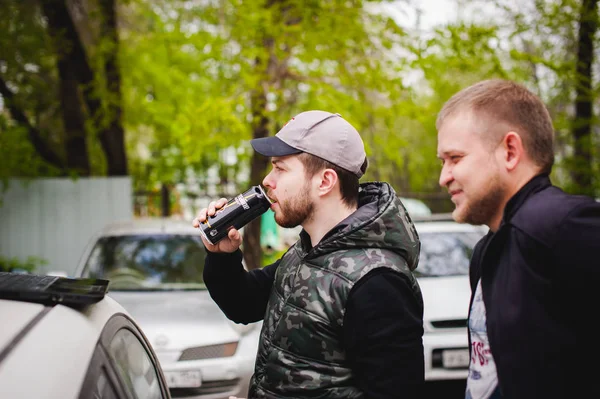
x=327 y=181
x=514 y=152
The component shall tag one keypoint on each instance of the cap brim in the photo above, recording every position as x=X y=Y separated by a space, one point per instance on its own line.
x=273 y=147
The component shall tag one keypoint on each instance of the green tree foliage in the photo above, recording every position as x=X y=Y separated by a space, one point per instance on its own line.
x=26 y=69
x=200 y=78
x=60 y=88
x=195 y=70
x=453 y=57
x=548 y=45
x=555 y=40
x=29 y=265
x=206 y=76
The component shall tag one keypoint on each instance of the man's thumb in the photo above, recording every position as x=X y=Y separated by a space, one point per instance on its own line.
x=234 y=235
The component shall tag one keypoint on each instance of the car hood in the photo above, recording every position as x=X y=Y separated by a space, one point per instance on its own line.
x=175 y=320
x=445 y=298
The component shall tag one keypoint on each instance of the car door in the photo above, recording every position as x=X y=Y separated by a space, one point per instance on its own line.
x=101 y=382
x=124 y=365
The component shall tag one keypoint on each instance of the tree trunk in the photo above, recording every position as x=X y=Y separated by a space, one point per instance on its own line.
x=165 y=200
x=71 y=57
x=77 y=76
x=274 y=73
x=112 y=137
x=582 y=172
x=258 y=166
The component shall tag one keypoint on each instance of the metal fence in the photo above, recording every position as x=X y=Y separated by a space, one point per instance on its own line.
x=53 y=219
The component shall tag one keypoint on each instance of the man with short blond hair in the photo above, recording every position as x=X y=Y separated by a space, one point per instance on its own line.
x=503 y=105
x=534 y=276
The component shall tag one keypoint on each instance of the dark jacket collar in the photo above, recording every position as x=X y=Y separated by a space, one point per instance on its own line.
x=366 y=209
x=534 y=185
x=380 y=222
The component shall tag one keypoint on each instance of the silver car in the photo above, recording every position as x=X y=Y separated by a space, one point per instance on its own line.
x=443 y=275
x=75 y=352
x=155 y=267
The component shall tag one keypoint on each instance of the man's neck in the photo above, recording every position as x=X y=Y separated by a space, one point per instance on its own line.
x=517 y=184
x=326 y=216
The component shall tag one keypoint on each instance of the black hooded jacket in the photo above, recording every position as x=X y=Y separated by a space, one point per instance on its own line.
x=540 y=278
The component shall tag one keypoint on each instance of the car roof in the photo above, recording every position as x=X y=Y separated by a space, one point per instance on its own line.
x=149 y=226
x=441 y=224
x=415 y=206
x=425 y=223
x=44 y=347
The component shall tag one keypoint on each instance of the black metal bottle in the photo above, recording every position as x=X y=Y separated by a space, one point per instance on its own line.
x=238 y=212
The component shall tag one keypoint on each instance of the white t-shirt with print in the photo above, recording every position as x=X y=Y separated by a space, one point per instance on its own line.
x=483 y=379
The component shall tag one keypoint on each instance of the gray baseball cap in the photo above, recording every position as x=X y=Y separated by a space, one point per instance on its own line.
x=323 y=134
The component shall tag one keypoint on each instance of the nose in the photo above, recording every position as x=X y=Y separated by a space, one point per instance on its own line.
x=268 y=181
x=445 y=176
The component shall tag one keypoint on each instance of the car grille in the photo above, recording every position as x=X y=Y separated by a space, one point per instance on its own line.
x=209 y=352
x=454 y=323
x=207 y=388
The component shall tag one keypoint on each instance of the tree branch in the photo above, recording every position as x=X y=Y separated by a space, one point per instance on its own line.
x=35 y=137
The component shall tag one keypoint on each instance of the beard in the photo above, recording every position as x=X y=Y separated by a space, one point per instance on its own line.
x=294 y=211
x=481 y=209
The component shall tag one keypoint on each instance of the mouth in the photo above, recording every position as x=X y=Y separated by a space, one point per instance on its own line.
x=271 y=198
x=454 y=193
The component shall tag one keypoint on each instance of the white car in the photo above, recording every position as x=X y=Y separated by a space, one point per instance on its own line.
x=96 y=351
x=155 y=270
x=415 y=207
x=446 y=249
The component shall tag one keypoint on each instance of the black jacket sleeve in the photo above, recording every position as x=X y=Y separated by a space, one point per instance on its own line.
x=240 y=294
x=383 y=336
x=579 y=242
x=577 y=253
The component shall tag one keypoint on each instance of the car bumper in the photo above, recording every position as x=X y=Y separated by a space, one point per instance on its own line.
x=220 y=377
x=438 y=367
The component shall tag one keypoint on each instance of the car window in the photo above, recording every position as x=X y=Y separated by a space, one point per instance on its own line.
x=100 y=381
x=149 y=262
x=103 y=388
x=134 y=367
x=446 y=253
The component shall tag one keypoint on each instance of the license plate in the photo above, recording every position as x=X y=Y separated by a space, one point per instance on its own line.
x=455 y=358
x=183 y=379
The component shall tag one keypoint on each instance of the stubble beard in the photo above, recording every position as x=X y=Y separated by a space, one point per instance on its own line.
x=294 y=211
x=481 y=210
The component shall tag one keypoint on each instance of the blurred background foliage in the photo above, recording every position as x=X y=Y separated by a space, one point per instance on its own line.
x=167 y=90
x=14 y=264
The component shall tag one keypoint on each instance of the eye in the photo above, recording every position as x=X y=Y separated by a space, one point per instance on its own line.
x=455 y=158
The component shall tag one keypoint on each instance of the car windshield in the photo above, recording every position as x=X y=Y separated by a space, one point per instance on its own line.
x=149 y=262
x=446 y=254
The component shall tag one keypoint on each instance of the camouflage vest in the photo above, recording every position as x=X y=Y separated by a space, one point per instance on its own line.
x=300 y=353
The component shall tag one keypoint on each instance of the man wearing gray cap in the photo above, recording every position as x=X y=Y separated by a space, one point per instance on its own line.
x=343 y=313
